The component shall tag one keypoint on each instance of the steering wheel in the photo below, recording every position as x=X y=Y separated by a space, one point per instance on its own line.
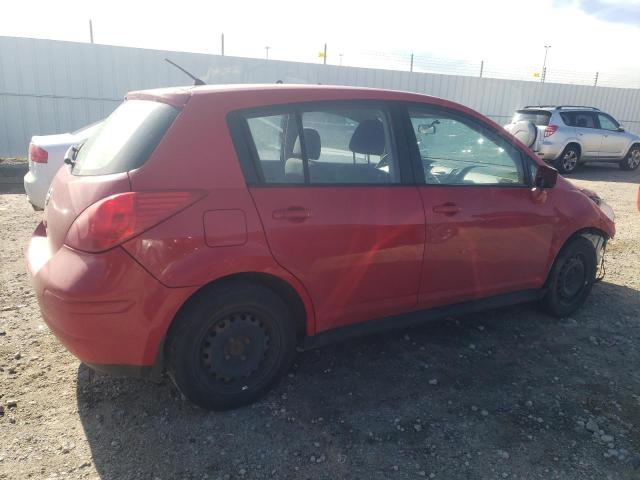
x=457 y=176
x=383 y=162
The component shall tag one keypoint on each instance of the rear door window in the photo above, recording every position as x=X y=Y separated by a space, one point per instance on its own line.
x=585 y=120
x=351 y=145
x=569 y=118
x=126 y=139
x=338 y=145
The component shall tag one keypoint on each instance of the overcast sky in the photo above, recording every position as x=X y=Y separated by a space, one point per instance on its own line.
x=585 y=35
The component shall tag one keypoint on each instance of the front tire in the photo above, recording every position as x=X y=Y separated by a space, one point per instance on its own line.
x=568 y=160
x=632 y=160
x=230 y=345
x=571 y=278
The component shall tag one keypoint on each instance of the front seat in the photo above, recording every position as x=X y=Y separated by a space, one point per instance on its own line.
x=294 y=166
x=368 y=139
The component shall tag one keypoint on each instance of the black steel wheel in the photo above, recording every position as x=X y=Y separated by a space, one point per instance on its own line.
x=571 y=278
x=229 y=345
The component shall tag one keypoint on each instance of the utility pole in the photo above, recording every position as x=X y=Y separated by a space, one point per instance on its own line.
x=340 y=59
x=411 y=64
x=324 y=58
x=595 y=82
x=544 y=63
x=222 y=44
x=91 y=30
x=267 y=50
x=481 y=67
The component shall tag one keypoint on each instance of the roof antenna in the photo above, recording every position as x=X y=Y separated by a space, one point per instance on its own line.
x=196 y=80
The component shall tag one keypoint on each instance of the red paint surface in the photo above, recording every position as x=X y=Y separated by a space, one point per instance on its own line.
x=357 y=253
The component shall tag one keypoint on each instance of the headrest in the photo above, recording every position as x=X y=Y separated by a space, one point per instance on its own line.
x=582 y=122
x=368 y=138
x=294 y=170
x=311 y=142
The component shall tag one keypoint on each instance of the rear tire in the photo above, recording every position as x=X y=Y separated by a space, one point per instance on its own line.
x=632 y=160
x=230 y=345
x=568 y=160
x=571 y=278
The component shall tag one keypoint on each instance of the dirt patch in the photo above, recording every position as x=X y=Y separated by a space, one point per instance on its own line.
x=510 y=393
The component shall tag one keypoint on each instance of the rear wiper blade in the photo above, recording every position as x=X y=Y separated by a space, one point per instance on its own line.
x=71 y=154
x=196 y=80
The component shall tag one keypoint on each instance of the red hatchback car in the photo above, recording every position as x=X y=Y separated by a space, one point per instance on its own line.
x=210 y=231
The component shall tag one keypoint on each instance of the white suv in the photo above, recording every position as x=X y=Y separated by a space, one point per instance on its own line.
x=567 y=136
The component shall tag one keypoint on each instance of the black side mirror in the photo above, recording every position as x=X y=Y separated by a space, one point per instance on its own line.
x=546 y=177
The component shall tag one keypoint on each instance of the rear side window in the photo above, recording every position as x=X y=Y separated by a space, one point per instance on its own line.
x=536 y=116
x=126 y=139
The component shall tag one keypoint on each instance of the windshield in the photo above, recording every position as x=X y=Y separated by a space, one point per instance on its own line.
x=538 y=117
x=126 y=139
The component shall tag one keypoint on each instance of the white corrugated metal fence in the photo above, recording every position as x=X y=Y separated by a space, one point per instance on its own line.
x=49 y=86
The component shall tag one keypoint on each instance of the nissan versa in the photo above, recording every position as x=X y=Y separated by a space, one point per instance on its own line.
x=210 y=231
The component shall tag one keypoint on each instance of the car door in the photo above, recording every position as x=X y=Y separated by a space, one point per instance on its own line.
x=335 y=211
x=589 y=135
x=614 y=142
x=487 y=234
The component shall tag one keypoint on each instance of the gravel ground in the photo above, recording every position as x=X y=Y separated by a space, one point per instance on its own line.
x=505 y=394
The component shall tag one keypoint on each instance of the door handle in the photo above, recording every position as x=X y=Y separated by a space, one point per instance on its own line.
x=448 y=209
x=292 y=214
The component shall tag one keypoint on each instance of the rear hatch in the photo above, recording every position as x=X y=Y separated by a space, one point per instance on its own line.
x=528 y=126
x=124 y=142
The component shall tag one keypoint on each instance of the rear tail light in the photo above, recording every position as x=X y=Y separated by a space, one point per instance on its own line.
x=118 y=218
x=550 y=130
x=38 y=154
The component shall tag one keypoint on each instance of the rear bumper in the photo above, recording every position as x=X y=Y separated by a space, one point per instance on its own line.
x=104 y=308
x=548 y=151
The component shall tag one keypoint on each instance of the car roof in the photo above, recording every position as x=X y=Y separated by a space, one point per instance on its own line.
x=558 y=108
x=238 y=96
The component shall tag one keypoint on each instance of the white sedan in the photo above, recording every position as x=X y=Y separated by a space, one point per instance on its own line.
x=46 y=156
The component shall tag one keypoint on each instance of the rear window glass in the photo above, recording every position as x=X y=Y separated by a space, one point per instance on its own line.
x=537 y=117
x=126 y=139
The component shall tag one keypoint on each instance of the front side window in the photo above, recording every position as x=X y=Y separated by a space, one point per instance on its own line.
x=456 y=151
x=607 y=123
x=332 y=145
